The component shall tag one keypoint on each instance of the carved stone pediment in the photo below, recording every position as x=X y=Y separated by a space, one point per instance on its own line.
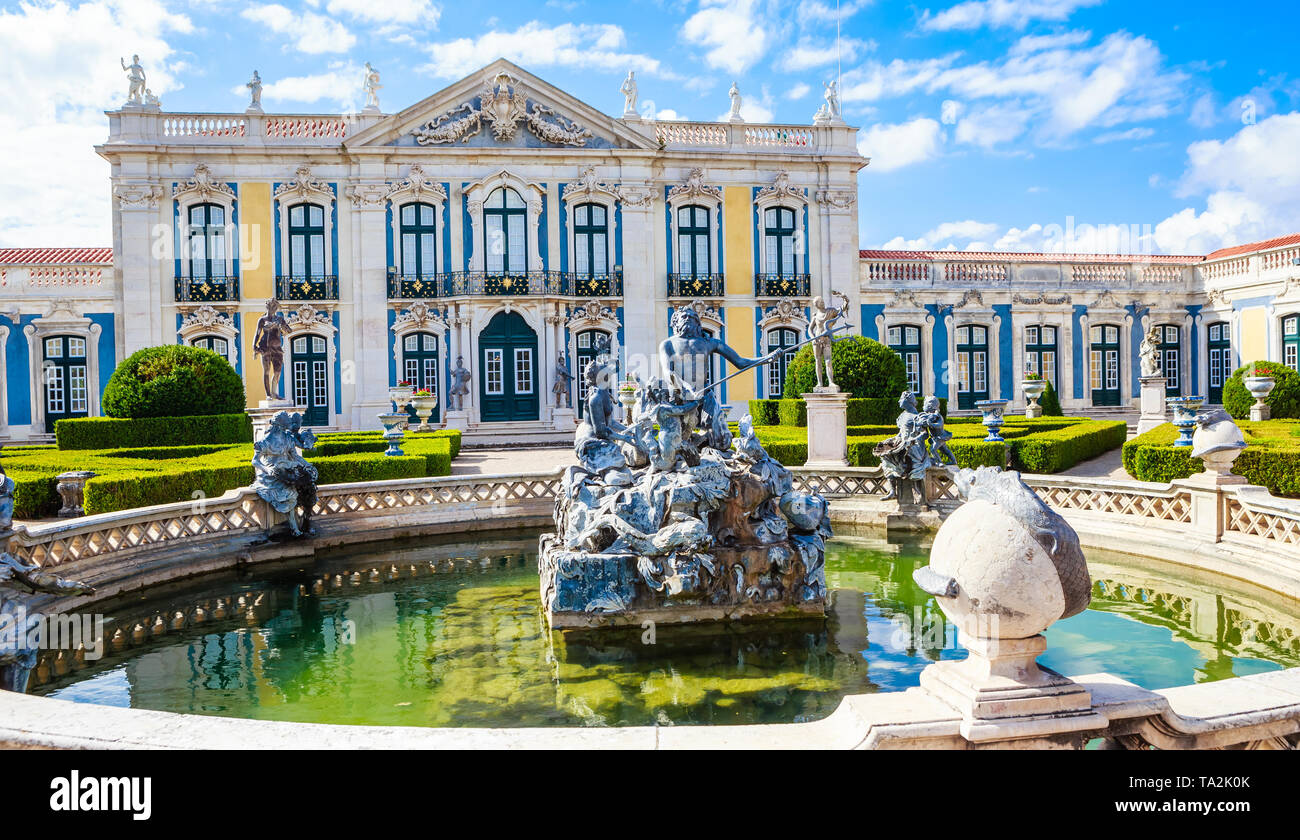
x=207 y=317
x=588 y=187
x=694 y=187
x=203 y=185
x=780 y=190
x=304 y=185
x=591 y=312
x=421 y=316
x=418 y=185
x=502 y=105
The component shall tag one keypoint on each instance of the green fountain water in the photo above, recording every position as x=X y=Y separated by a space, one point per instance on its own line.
x=451 y=634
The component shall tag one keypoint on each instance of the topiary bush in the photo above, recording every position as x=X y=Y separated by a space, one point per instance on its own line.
x=173 y=381
x=862 y=366
x=1050 y=402
x=1283 y=402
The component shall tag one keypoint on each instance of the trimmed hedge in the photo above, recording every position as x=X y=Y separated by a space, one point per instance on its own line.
x=1271 y=458
x=863 y=367
x=882 y=411
x=173 y=380
x=1283 y=402
x=112 y=432
x=1038 y=446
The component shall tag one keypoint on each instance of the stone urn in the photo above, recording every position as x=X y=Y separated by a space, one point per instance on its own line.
x=1217 y=442
x=994 y=412
x=1184 y=410
x=1033 y=389
x=424 y=404
x=394 y=430
x=1259 y=387
x=400 y=396
x=627 y=396
x=72 y=490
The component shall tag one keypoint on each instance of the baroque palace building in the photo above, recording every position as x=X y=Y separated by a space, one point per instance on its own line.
x=503 y=222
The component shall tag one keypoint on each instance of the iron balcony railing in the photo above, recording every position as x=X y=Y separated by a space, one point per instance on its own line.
x=482 y=283
x=782 y=285
x=696 y=285
x=206 y=289
x=297 y=287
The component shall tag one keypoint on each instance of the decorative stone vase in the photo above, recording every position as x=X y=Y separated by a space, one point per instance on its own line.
x=993 y=411
x=424 y=406
x=72 y=490
x=1259 y=387
x=627 y=396
x=394 y=431
x=1184 y=410
x=1033 y=389
x=1217 y=442
x=400 y=396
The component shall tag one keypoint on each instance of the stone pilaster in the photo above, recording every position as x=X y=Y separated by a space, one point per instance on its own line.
x=370 y=338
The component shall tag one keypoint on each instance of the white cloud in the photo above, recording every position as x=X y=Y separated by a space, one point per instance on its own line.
x=421 y=12
x=818 y=12
x=341 y=86
x=308 y=32
x=1139 y=133
x=61 y=63
x=733 y=30
x=669 y=114
x=535 y=44
x=989 y=127
x=893 y=146
x=756 y=109
x=1015 y=14
x=968 y=235
x=808 y=54
x=799 y=91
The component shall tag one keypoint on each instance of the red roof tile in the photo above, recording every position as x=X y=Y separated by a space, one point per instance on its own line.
x=1266 y=245
x=56 y=256
x=998 y=256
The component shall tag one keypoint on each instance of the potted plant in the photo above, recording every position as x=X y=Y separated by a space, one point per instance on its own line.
x=400 y=394
x=424 y=402
x=1260 y=385
x=1033 y=386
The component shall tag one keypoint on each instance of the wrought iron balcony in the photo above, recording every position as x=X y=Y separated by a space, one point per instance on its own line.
x=782 y=285
x=206 y=289
x=297 y=287
x=520 y=284
x=696 y=285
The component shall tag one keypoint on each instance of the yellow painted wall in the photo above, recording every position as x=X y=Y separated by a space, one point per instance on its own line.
x=256 y=276
x=1254 y=334
x=738 y=252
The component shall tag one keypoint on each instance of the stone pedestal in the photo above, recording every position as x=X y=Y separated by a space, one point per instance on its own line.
x=1152 y=403
x=828 y=443
x=457 y=420
x=266 y=409
x=1260 y=412
x=565 y=419
x=1002 y=692
x=71 y=489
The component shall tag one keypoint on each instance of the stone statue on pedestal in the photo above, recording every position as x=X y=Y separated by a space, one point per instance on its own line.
x=819 y=332
x=734 y=93
x=629 y=92
x=370 y=82
x=281 y=475
x=562 y=382
x=268 y=343
x=254 y=86
x=1149 y=353
x=135 y=80
x=460 y=377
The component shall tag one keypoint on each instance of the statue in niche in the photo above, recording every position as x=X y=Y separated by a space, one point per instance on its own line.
x=1149 y=353
x=268 y=344
x=134 y=80
x=686 y=358
x=563 y=381
x=819 y=332
x=281 y=475
x=629 y=92
x=460 y=377
x=906 y=456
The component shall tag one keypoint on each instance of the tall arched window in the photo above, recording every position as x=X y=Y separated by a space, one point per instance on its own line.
x=779 y=241
x=905 y=340
x=307 y=240
x=419 y=239
x=590 y=239
x=972 y=366
x=1291 y=341
x=783 y=339
x=1040 y=352
x=693 y=257
x=207 y=241
x=215 y=343
x=1103 y=363
x=505 y=244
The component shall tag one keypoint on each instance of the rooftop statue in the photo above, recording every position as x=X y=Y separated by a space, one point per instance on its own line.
x=281 y=475
x=135 y=80
x=663 y=519
x=254 y=86
x=370 y=83
x=268 y=343
x=734 y=93
x=629 y=94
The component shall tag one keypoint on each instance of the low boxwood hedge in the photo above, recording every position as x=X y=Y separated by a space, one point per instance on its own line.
x=1271 y=458
x=859 y=412
x=113 y=433
x=1031 y=446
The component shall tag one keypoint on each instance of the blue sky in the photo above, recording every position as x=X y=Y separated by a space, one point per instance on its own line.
x=991 y=123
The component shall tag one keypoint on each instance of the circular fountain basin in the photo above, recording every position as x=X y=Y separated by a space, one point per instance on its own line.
x=451 y=633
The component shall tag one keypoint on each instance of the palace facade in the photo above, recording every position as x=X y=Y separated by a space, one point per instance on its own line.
x=503 y=222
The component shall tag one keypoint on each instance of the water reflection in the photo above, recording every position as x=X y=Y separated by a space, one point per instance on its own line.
x=451 y=634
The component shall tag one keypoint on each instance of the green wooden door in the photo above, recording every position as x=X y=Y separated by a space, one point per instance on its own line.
x=420 y=368
x=1171 y=359
x=1104 y=364
x=1218 y=347
x=309 y=369
x=508 y=369
x=66 y=385
x=972 y=366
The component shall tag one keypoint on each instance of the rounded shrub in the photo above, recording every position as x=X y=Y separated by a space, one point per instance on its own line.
x=863 y=367
x=1283 y=402
x=1050 y=402
x=173 y=381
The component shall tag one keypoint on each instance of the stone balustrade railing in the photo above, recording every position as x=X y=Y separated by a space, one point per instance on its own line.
x=57 y=279
x=148 y=126
x=675 y=135
x=1064 y=274
x=1244 y=515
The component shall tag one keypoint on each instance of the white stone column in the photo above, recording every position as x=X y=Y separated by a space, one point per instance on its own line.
x=837 y=207
x=370 y=305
